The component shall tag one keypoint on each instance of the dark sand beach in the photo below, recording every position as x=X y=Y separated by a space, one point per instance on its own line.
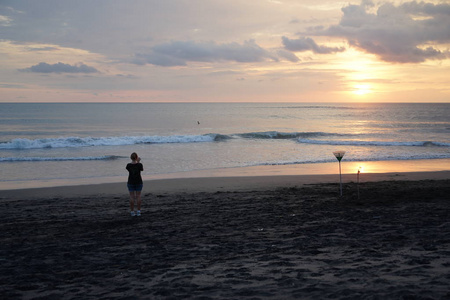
x=279 y=242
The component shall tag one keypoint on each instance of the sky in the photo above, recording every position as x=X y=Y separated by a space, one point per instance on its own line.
x=224 y=51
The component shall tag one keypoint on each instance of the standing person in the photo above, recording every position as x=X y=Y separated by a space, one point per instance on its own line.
x=135 y=183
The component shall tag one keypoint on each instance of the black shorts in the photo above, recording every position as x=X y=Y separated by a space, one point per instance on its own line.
x=135 y=187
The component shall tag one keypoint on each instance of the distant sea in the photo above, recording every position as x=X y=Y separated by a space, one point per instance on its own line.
x=44 y=142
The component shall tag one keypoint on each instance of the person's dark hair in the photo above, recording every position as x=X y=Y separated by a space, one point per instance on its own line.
x=133 y=156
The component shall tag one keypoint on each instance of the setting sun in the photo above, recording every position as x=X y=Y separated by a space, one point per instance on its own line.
x=362 y=89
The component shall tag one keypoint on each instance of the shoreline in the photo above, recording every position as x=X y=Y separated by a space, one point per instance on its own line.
x=370 y=169
x=216 y=184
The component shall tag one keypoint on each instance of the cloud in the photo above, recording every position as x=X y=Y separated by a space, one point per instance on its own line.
x=307 y=44
x=179 y=53
x=11 y=86
x=400 y=34
x=287 y=55
x=5 y=21
x=423 y=8
x=42 y=49
x=60 y=68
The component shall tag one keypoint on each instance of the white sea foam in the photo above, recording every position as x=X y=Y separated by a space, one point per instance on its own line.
x=359 y=158
x=302 y=137
x=374 y=143
x=74 y=142
x=285 y=135
x=46 y=159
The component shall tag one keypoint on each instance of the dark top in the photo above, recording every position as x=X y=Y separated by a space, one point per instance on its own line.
x=134 y=173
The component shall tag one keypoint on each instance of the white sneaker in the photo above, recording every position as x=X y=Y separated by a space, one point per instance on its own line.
x=138 y=213
x=133 y=214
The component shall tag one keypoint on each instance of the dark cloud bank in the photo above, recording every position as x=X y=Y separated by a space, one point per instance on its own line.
x=398 y=34
x=60 y=68
x=308 y=44
x=178 y=53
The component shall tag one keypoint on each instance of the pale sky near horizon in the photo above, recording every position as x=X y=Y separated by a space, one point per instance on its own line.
x=224 y=51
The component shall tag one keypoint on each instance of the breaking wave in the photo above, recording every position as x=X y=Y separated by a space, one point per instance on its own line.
x=301 y=137
x=75 y=142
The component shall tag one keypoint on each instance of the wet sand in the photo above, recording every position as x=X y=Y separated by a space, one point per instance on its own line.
x=239 y=238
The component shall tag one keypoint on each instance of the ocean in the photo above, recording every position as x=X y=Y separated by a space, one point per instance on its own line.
x=68 y=142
